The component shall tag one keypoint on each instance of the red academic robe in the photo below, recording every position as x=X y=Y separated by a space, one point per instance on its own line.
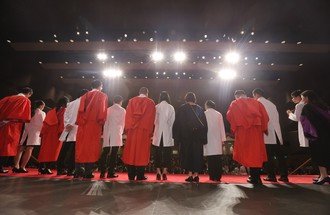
x=248 y=120
x=139 y=121
x=52 y=128
x=91 y=117
x=17 y=110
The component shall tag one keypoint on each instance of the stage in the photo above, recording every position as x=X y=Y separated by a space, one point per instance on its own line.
x=34 y=194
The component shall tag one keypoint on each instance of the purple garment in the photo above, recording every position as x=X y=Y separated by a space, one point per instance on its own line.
x=308 y=128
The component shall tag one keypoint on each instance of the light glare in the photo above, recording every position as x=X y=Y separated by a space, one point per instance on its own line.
x=232 y=57
x=180 y=56
x=227 y=74
x=112 y=73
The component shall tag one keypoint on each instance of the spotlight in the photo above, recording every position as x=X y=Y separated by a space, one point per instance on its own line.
x=78 y=33
x=180 y=56
x=232 y=57
x=102 y=56
x=112 y=73
x=157 y=56
x=41 y=41
x=227 y=74
x=86 y=32
x=102 y=40
x=56 y=41
x=8 y=41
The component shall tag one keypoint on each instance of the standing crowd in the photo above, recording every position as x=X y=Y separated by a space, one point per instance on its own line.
x=79 y=133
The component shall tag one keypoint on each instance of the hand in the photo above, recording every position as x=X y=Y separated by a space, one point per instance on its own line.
x=288 y=112
x=266 y=132
x=69 y=127
x=3 y=123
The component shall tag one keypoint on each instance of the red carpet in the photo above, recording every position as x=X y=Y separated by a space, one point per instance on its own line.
x=172 y=178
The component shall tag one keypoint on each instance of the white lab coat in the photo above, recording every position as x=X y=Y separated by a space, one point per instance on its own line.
x=165 y=116
x=274 y=128
x=114 y=126
x=215 y=133
x=33 y=128
x=70 y=118
x=303 y=141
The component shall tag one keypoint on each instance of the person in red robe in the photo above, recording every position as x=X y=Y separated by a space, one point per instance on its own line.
x=91 y=117
x=249 y=120
x=139 y=122
x=14 y=111
x=51 y=130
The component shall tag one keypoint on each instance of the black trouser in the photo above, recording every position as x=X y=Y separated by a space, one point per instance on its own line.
x=275 y=150
x=133 y=171
x=162 y=155
x=108 y=159
x=255 y=173
x=66 y=158
x=87 y=167
x=214 y=167
x=3 y=161
x=44 y=165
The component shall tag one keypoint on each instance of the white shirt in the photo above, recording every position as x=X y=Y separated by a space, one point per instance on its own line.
x=303 y=141
x=33 y=128
x=274 y=127
x=216 y=134
x=70 y=118
x=114 y=126
x=164 y=119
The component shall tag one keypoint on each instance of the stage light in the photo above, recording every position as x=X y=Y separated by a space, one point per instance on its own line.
x=78 y=33
x=252 y=33
x=102 y=56
x=283 y=42
x=207 y=62
x=184 y=40
x=301 y=64
x=78 y=62
x=86 y=32
x=157 y=73
x=118 y=40
x=242 y=32
x=112 y=73
x=90 y=62
x=214 y=58
x=200 y=41
x=8 y=41
x=257 y=58
x=157 y=56
x=194 y=62
x=164 y=73
x=87 y=40
x=250 y=41
x=176 y=73
x=298 y=43
x=151 y=39
x=41 y=41
x=56 y=41
x=203 y=57
x=129 y=62
x=227 y=74
x=232 y=57
x=184 y=73
x=102 y=40
x=66 y=62
x=266 y=41
x=216 y=40
x=55 y=35
x=134 y=40
x=272 y=64
x=180 y=56
x=83 y=76
x=259 y=64
x=71 y=41
x=245 y=58
x=125 y=35
x=205 y=36
x=40 y=62
x=167 y=40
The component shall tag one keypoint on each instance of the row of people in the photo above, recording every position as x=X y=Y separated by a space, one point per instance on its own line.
x=79 y=125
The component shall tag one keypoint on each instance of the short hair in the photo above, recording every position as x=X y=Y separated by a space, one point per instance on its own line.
x=296 y=93
x=239 y=93
x=143 y=90
x=82 y=92
x=38 y=103
x=62 y=102
x=190 y=97
x=96 y=84
x=164 y=96
x=210 y=104
x=117 y=99
x=258 y=91
x=26 y=90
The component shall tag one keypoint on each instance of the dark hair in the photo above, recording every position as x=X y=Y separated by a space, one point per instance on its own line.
x=143 y=90
x=239 y=93
x=164 y=96
x=36 y=105
x=82 y=92
x=210 y=104
x=296 y=93
x=117 y=99
x=259 y=92
x=26 y=90
x=96 y=84
x=190 y=97
x=62 y=102
x=314 y=99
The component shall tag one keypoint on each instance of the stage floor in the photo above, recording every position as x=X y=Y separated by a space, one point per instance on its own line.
x=56 y=195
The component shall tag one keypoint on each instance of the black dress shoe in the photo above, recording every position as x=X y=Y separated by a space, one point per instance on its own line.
x=189 y=179
x=70 y=173
x=164 y=176
x=16 y=170
x=48 y=172
x=254 y=181
x=316 y=179
x=79 y=172
x=3 y=171
x=62 y=172
x=112 y=175
x=89 y=176
x=270 y=179
x=102 y=175
x=284 y=179
x=158 y=177
x=196 y=179
x=21 y=170
x=142 y=178
x=325 y=180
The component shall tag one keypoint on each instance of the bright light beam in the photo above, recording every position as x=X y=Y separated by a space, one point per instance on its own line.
x=102 y=56
x=112 y=73
x=232 y=57
x=157 y=56
x=227 y=74
x=180 y=56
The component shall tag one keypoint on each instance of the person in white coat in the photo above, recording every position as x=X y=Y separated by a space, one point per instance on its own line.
x=295 y=116
x=273 y=140
x=112 y=137
x=65 y=161
x=162 y=140
x=216 y=136
x=30 y=138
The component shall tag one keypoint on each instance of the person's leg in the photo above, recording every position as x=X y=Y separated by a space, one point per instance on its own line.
x=269 y=164
x=18 y=157
x=103 y=161
x=131 y=171
x=70 y=158
x=158 y=159
x=79 y=170
x=3 y=161
x=140 y=173
x=254 y=175
x=112 y=162
x=26 y=157
x=215 y=167
x=211 y=167
x=61 y=159
x=282 y=163
x=89 y=170
x=167 y=161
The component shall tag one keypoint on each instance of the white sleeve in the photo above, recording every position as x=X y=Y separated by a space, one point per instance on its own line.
x=297 y=113
x=222 y=128
x=172 y=117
